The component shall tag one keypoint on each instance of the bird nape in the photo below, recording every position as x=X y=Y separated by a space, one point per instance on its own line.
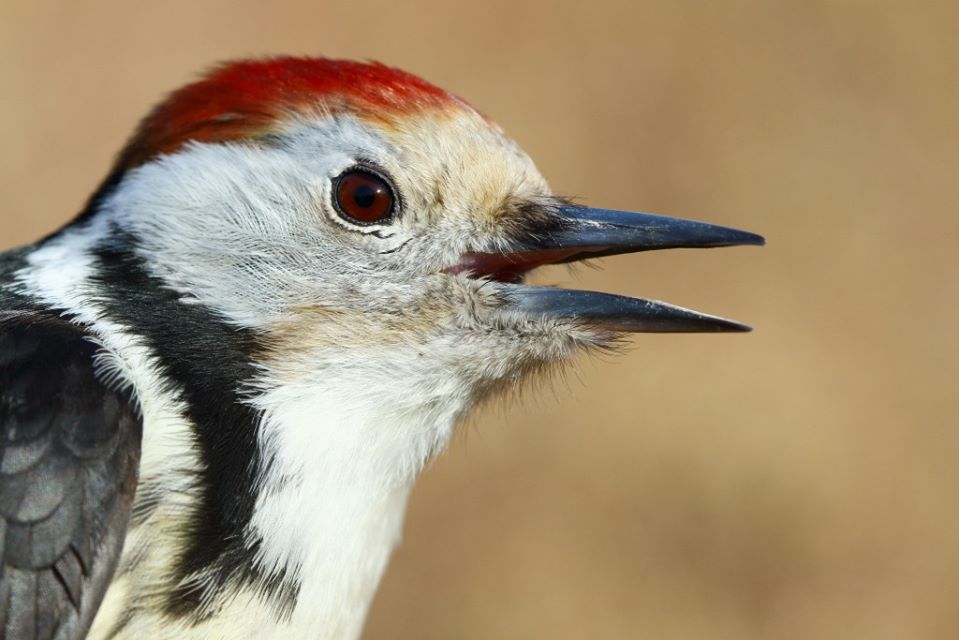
x=220 y=381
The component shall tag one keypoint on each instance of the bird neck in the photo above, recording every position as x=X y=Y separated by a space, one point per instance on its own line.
x=330 y=507
x=336 y=474
x=345 y=429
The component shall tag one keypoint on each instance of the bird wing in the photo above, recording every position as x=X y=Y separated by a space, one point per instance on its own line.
x=69 y=452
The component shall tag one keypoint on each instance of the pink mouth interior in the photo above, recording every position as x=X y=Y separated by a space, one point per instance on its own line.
x=508 y=267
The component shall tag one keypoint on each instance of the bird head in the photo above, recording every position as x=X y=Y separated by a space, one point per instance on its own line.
x=307 y=271
x=336 y=207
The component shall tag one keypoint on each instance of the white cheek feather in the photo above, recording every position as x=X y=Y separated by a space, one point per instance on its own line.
x=246 y=230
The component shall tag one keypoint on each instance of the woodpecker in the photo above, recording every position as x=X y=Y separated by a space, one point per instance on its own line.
x=219 y=382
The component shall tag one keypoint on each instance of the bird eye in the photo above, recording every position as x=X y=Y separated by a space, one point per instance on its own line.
x=363 y=197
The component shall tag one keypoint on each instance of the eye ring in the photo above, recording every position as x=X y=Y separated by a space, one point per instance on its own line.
x=364 y=197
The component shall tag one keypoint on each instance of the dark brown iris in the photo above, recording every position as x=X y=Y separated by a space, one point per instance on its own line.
x=363 y=197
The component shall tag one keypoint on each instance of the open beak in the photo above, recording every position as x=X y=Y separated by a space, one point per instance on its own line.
x=578 y=233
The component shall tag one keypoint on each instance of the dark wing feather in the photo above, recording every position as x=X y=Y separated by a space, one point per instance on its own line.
x=69 y=451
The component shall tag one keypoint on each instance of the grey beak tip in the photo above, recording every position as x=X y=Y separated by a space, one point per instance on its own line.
x=749 y=238
x=732 y=326
x=756 y=240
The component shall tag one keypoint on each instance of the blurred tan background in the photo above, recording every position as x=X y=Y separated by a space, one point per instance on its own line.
x=798 y=482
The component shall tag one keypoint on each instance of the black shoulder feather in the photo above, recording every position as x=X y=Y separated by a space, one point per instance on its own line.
x=69 y=453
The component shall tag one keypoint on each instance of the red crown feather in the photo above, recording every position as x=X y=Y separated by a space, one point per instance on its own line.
x=246 y=98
